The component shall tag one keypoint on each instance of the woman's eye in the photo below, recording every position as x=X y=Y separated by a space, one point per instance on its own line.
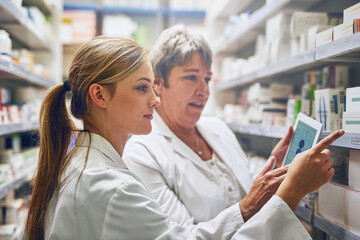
x=142 y=88
x=207 y=80
x=191 y=77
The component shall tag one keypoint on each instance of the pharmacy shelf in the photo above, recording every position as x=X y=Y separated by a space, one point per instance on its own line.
x=348 y=140
x=248 y=31
x=298 y=63
x=13 y=71
x=344 y=49
x=40 y=4
x=7 y=187
x=115 y=9
x=333 y=229
x=304 y=213
x=80 y=6
x=18 y=127
x=186 y=13
x=227 y=8
x=22 y=28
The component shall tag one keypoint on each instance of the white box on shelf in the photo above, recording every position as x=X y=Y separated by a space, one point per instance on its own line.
x=312 y=32
x=302 y=21
x=352 y=210
x=280 y=91
x=351 y=122
x=354 y=169
x=279 y=49
x=353 y=99
x=352 y=13
x=327 y=109
x=332 y=202
x=343 y=30
x=324 y=37
x=278 y=27
x=336 y=76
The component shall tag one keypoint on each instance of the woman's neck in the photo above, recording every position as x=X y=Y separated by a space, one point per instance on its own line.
x=117 y=140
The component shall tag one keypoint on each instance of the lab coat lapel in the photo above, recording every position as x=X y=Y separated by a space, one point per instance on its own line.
x=214 y=139
x=101 y=144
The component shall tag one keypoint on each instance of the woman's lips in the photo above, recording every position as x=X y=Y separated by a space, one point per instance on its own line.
x=149 y=116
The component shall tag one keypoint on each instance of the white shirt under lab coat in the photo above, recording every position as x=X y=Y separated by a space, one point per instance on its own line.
x=112 y=203
x=181 y=182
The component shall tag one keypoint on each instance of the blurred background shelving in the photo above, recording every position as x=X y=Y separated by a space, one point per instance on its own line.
x=256 y=48
x=260 y=56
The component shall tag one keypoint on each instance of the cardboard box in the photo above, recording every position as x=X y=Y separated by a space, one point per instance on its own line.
x=340 y=204
x=352 y=211
x=332 y=202
x=353 y=99
x=351 y=122
x=302 y=21
x=343 y=30
x=327 y=109
x=278 y=27
x=324 y=37
x=354 y=169
x=352 y=13
x=336 y=77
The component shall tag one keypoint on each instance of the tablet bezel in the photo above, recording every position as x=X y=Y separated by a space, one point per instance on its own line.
x=312 y=123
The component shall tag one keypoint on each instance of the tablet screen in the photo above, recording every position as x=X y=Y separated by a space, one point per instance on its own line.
x=303 y=140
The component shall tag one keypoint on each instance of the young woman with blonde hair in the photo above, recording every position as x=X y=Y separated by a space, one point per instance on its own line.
x=89 y=193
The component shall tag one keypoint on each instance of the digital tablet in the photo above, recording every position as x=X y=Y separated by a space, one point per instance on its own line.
x=306 y=135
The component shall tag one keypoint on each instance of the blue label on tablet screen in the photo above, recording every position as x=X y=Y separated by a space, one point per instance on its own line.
x=303 y=140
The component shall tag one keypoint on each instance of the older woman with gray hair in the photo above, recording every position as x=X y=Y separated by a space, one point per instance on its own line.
x=193 y=164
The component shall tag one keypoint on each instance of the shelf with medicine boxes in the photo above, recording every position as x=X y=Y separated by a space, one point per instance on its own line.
x=21 y=179
x=13 y=71
x=114 y=9
x=349 y=140
x=253 y=66
x=41 y=4
x=18 y=127
x=229 y=7
x=333 y=229
x=19 y=25
x=246 y=32
x=288 y=65
x=346 y=49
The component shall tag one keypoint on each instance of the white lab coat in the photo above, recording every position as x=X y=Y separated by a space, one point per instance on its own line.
x=180 y=181
x=112 y=203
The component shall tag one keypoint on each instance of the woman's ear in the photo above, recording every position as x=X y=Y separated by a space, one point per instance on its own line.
x=158 y=85
x=98 y=95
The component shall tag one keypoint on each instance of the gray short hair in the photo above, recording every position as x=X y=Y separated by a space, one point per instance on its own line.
x=175 y=47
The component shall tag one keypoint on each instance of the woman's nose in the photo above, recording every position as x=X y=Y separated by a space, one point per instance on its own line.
x=155 y=100
x=203 y=89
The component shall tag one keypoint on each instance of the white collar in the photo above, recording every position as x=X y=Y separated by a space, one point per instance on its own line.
x=84 y=139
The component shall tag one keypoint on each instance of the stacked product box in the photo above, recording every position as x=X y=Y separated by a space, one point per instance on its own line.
x=78 y=26
x=351 y=116
x=350 y=23
x=328 y=107
x=268 y=103
x=340 y=204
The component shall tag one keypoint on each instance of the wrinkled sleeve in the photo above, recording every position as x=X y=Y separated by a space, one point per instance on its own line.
x=275 y=221
x=144 y=164
x=133 y=214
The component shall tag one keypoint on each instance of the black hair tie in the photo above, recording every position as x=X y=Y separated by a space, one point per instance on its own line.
x=66 y=86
